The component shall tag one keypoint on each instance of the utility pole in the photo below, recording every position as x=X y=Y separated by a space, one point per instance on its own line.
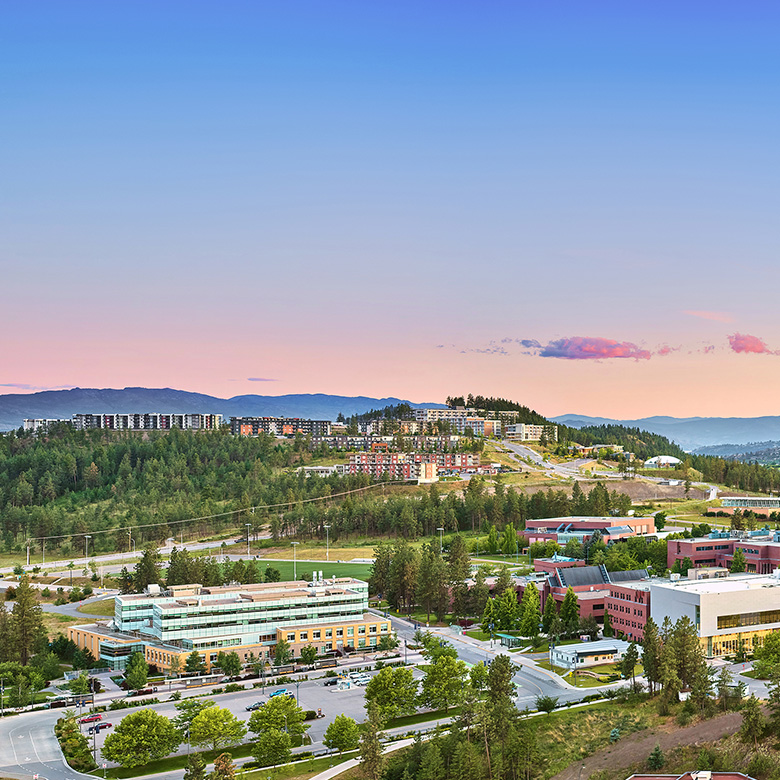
x=87 y=537
x=327 y=542
x=248 y=526
x=441 y=541
x=28 y=552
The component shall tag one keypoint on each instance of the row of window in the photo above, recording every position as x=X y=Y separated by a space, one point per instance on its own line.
x=749 y=619
x=317 y=633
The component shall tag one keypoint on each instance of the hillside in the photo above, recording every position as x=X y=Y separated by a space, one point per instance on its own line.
x=691 y=433
x=64 y=403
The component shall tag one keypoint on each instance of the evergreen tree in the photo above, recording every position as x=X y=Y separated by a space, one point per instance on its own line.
x=570 y=612
x=137 y=671
x=507 y=609
x=656 y=759
x=371 y=750
x=489 y=617
x=651 y=654
x=753 y=722
x=148 y=569
x=26 y=623
x=530 y=613
x=196 y=767
x=738 y=562
x=550 y=613
x=503 y=581
x=628 y=664
x=607 y=627
x=726 y=680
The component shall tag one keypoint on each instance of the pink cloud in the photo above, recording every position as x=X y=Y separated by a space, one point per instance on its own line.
x=717 y=316
x=666 y=350
x=593 y=348
x=742 y=342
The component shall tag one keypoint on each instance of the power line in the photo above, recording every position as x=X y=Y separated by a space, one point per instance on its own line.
x=221 y=514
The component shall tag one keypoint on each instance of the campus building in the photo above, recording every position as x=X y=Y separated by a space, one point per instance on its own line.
x=751 y=502
x=331 y=615
x=411 y=465
x=761 y=549
x=611 y=529
x=146 y=421
x=278 y=426
x=729 y=613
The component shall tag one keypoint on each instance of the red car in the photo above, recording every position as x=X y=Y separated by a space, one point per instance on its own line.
x=91 y=718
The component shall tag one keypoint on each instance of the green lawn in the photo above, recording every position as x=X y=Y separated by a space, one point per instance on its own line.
x=300 y=769
x=423 y=717
x=104 y=607
x=361 y=571
x=478 y=634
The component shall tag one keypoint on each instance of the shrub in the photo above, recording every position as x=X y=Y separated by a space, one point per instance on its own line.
x=309 y=715
x=46 y=592
x=656 y=759
x=233 y=688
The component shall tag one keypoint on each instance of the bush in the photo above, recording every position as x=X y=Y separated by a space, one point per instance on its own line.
x=309 y=715
x=87 y=590
x=175 y=696
x=10 y=593
x=656 y=759
x=46 y=592
x=233 y=688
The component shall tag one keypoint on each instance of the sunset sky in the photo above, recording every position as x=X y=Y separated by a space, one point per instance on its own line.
x=571 y=204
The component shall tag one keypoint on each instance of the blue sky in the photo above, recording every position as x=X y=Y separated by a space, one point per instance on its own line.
x=364 y=197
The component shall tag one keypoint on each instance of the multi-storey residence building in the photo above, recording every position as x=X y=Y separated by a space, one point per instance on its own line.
x=528 y=432
x=146 y=421
x=278 y=426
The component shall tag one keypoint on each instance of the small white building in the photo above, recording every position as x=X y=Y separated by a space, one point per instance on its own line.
x=662 y=462
x=584 y=654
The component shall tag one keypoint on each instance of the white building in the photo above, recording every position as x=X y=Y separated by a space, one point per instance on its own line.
x=585 y=654
x=662 y=462
x=528 y=432
x=727 y=612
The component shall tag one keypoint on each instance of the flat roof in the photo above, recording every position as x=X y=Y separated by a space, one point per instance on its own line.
x=731 y=584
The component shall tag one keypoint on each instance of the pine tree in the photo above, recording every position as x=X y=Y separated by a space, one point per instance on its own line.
x=371 y=749
x=196 y=768
x=607 y=627
x=656 y=759
x=489 y=617
x=651 y=654
x=479 y=594
x=753 y=721
x=549 y=613
x=738 y=562
x=148 y=569
x=26 y=623
x=530 y=613
x=570 y=612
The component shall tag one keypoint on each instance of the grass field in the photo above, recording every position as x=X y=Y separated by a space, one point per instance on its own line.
x=59 y=624
x=333 y=569
x=103 y=608
x=301 y=770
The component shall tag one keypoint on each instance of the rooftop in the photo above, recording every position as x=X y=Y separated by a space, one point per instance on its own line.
x=732 y=584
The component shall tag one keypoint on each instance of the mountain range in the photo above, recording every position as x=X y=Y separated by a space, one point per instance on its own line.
x=63 y=404
x=692 y=433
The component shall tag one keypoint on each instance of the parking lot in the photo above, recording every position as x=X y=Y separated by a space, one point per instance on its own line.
x=312 y=694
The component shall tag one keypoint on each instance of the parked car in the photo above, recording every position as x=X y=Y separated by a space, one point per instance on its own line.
x=331 y=681
x=91 y=718
x=143 y=692
x=255 y=706
x=283 y=692
x=363 y=679
x=98 y=727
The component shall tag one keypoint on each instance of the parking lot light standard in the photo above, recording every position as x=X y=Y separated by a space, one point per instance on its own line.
x=327 y=542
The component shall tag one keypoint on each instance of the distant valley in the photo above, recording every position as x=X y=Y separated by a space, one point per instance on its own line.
x=693 y=433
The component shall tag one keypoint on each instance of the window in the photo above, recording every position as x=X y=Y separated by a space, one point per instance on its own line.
x=339 y=632
x=350 y=631
x=316 y=634
x=361 y=642
x=304 y=636
x=290 y=636
x=361 y=630
x=372 y=629
x=328 y=633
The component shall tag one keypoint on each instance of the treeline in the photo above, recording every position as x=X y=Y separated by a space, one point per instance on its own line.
x=389 y=412
x=490 y=404
x=642 y=443
x=412 y=517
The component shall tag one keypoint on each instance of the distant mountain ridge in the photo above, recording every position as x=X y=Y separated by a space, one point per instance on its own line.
x=14 y=408
x=692 y=433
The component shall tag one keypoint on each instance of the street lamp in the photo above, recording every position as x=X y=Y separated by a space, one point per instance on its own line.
x=248 y=526
x=295 y=566
x=327 y=542
x=87 y=537
x=441 y=543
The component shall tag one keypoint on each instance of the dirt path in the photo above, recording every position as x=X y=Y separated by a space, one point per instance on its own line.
x=636 y=747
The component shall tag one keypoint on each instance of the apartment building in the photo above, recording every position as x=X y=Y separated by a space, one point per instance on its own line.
x=146 y=421
x=345 y=442
x=410 y=465
x=278 y=426
x=529 y=432
x=771 y=503
x=332 y=615
x=434 y=415
x=41 y=425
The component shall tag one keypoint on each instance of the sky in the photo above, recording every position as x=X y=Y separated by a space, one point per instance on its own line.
x=573 y=205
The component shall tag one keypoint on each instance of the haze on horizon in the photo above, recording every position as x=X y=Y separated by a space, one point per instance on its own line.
x=573 y=206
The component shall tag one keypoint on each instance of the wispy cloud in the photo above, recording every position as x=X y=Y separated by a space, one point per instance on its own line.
x=742 y=342
x=666 y=350
x=716 y=316
x=260 y=379
x=593 y=348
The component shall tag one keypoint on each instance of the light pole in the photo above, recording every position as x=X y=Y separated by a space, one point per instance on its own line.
x=327 y=542
x=43 y=549
x=248 y=526
x=28 y=552
x=295 y=566
x=441 y=541
x=87 y=537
